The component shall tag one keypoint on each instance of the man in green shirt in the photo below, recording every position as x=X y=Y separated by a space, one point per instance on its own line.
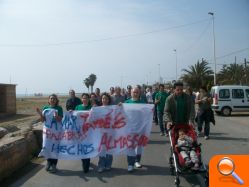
x=134 y=160
x=179 y=107
x=160 y=99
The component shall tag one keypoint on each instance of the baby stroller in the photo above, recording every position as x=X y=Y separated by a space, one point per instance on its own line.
x=177 y=163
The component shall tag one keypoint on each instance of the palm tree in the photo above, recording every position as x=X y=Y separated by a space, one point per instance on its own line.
x=198 y=75
x=246 y=74
x=92 y=78
x=232 y=74
x=87 y=83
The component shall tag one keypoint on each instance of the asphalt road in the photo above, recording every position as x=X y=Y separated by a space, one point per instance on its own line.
x=229 y=136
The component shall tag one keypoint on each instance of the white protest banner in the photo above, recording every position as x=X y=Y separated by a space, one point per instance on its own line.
x=106 y=129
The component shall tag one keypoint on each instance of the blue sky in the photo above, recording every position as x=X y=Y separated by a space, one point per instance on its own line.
x=50 y=46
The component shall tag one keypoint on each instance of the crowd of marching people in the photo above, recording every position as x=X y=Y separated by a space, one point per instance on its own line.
x=172 y=106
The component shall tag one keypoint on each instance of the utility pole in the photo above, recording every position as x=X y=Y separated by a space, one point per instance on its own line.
x=159 y=73
x=212 y=14
x=246 y=70
x=176 y=62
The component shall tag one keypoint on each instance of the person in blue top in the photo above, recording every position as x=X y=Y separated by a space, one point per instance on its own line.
x=53 y=103
x=134 y=160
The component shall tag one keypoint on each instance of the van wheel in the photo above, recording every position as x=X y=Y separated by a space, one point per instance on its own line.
x=226 y=111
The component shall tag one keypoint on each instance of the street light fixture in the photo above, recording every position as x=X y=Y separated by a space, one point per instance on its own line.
x=212 y=14
x=176 y=62
x=159 y=73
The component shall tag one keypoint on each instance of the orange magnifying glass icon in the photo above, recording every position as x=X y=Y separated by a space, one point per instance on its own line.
x=226 y=167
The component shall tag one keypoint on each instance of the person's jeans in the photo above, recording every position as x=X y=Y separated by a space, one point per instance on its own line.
x=155 y=115
x=138 y=158
x=52 y=161
x=131 y=160
x=203 y=117
x=105 y=161
x=86 y=164
x=134 y=156
x=160 y=122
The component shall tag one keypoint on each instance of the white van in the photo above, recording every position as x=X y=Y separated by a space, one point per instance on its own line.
x=230 y=98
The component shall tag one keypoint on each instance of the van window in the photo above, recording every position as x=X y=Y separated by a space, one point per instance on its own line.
x=247 y=93
x=224 y=94
x=238 y=93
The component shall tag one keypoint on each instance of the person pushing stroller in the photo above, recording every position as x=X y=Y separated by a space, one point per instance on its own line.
x=187 y=150
x=179 y=114
x=178 y=108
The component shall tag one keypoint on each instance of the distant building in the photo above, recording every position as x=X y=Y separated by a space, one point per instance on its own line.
x=7 y=99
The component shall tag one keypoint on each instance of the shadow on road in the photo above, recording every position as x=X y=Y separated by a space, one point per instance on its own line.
x=145 y=170
x=239 y=115
x=25 y=171
x=220 y=136
x=196 y=180
x=153 y=142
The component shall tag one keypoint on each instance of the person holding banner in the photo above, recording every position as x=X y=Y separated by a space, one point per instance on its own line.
x=93 y=100
x=131 y=159
x=128 y=92
x=178 y=107
x=53 y=103
x=105 y=160
x=117 y=98
x=73 y=101
x=85 y=106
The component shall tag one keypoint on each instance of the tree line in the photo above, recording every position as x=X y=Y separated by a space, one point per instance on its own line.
x=201 y=74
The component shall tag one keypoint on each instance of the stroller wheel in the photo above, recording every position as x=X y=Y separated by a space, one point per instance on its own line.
x=172 y=170
x=171 y=160
x=177 y=181
x=207 y=179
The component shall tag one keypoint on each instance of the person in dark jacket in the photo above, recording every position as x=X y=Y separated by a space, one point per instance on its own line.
x=73 y=101
x=205 y=113
x=178 y=107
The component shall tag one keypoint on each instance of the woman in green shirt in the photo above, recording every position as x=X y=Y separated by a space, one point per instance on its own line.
x=53 y=103
x=85 y=106
x=105 y=160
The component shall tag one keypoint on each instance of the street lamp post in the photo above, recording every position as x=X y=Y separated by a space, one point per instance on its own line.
x=159 y=73
x=121 y=81
x=176 y=62
x=149 y=78
x=212 y=14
